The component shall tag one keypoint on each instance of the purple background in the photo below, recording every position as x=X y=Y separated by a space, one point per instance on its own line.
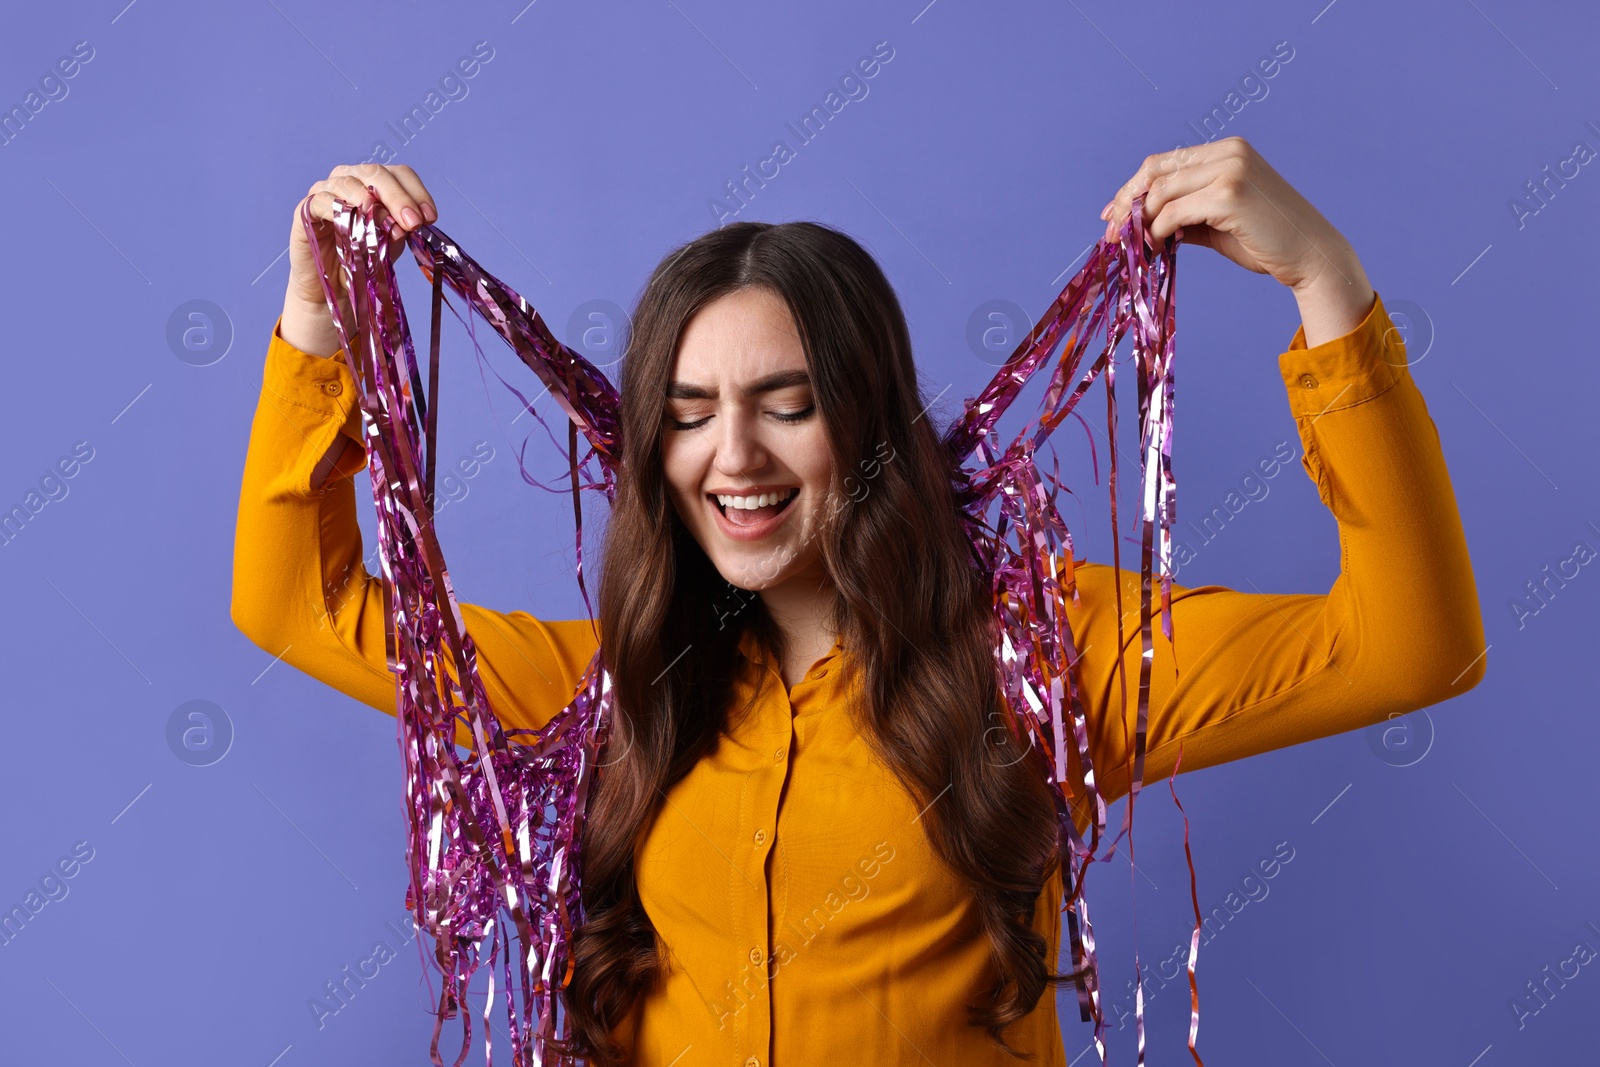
x=221 y=898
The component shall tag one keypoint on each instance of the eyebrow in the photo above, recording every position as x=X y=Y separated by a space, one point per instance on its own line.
x=780 y=380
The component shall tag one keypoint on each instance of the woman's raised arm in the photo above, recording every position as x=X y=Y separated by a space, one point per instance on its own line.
x=301 y=588
x=1400 y=629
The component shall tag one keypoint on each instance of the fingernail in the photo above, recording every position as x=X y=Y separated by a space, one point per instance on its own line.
x=428 y=212
x=411 y=217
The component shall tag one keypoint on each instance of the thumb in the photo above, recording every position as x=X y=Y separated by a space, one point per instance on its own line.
x=1199 y=234
x=398 y=245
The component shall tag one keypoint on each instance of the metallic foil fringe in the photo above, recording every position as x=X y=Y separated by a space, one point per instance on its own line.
x=494 y=836
x=1123 y=290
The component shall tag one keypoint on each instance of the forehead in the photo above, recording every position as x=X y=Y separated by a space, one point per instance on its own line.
x=738 y=337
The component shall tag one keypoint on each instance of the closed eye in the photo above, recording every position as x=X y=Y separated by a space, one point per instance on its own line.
x=782 y=416
x=676 y=425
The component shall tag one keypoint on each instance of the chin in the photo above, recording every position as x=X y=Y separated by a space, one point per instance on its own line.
x=757 y=566
x=758 y=571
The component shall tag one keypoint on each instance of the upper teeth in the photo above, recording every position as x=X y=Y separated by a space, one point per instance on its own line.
x=746 y=503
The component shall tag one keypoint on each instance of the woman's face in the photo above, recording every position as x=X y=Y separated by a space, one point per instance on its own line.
x=746 y=456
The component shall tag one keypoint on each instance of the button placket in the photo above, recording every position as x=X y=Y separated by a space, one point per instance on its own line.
x=781 y=738
x=769 y=780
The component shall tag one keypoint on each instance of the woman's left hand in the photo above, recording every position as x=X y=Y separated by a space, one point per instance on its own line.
x=1226 y=197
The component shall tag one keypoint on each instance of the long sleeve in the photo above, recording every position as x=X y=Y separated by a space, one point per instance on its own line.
x=301 y=589
x=1400 y=629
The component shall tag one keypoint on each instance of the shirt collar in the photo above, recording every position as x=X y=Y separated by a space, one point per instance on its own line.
x=755 y=653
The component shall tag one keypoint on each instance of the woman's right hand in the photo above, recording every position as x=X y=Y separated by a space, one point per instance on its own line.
x=404 y=204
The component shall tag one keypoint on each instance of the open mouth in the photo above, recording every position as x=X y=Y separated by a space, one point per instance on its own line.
x=754 y=510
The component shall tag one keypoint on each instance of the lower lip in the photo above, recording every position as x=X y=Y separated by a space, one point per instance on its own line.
x=755 y=532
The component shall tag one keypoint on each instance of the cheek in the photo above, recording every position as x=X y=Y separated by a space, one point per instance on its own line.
x=815 y=458
x=680 y=473
x=671 y=460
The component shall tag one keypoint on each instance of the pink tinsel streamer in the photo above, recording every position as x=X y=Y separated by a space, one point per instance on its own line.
x=493 y=837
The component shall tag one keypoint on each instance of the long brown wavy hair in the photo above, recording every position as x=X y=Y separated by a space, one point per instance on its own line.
x=917 y=625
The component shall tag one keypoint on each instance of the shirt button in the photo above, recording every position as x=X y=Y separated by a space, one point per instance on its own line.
x=761 y=837
x=1308 y=381
x=777 y=754
x=752 y=1062
x=755 y=955
x=332 y=388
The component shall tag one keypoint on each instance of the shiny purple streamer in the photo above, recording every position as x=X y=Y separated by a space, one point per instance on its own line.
x=1123 y=290
x=498 y=831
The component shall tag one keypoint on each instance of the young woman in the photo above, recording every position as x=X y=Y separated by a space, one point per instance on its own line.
x=809 y=843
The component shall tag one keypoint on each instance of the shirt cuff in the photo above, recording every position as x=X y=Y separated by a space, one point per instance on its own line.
x=321 y=383
x=1347 y=370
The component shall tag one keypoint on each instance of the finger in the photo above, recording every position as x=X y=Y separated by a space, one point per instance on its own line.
x=1153 y=165
x=1161 y=190
x=1196 y=210
x=1162 y=163
x=353 y=190
x=1199 y=234
x=356 y=192
x=419 y=192
x=345 y=188
x=1175 y=185
x=325 y=195
x=310 y=199
x=323 y=202
x=396 y=244
x=401 y=204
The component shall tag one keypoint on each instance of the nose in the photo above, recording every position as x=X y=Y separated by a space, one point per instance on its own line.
x=740 y=451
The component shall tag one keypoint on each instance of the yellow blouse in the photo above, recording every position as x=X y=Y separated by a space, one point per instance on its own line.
x=804 y=916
